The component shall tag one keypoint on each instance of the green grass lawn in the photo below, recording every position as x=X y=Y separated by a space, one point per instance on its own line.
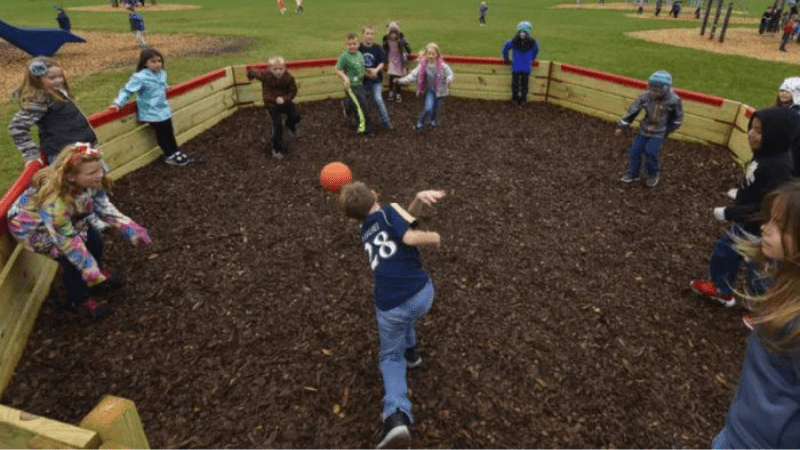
x=588 y=38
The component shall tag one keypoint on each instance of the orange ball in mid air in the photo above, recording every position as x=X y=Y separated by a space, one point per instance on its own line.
x=335 y=175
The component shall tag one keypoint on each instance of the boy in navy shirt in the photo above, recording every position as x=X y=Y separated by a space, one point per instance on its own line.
x=374 y=61
x=403 y=293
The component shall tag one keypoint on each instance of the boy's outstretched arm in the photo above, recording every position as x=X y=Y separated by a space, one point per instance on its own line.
x=418 y=237
x=428 y=197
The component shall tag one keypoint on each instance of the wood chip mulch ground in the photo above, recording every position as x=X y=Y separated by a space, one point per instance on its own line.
x=562 y=318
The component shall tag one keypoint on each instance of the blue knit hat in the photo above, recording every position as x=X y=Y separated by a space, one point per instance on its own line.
x=524 y=26
x=660 y=81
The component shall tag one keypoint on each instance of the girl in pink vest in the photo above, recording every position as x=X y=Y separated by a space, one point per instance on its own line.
x=433 y=77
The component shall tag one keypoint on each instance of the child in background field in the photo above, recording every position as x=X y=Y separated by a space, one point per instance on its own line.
x=403 y=293
x=45 y=101
x=765 y=411
x=788 y=29
x=482 y=10
x=676 y=9
x=278 y=89
x=397 y=49
x=374 y=62
x=282 y=6
x=663 y=115
x=299 y=9
x=137 y=26
x=771 y=133
x=762 y=26
x=63 y=19
x=149 y=83
x=350 y=68
x=51 y=218
x=433 y=77
x=525 y=49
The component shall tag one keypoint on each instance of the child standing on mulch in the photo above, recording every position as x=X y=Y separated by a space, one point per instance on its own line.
x=663 y=115
x=51 y=218
x=765 y=411
x=374 y=62
x=770 y=136
x=350 y=67
x=403 y=293
x=482 y=10
x=149 y=83
x=433 y=77
x=397 y=50
x=45 y=101
x=525 y=48
x=137 y=26
x=278 y=89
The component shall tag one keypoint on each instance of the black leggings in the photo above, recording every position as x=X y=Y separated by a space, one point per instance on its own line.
x=165 y=136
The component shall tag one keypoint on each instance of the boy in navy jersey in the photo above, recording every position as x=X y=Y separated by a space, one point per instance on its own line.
x=403 y=293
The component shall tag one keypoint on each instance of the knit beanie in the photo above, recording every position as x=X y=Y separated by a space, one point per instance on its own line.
x=524 y=26
x=393 y=26
x=660 y=81
x=792 y=85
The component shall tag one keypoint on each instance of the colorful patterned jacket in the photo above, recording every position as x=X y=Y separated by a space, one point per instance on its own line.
x=57 y=229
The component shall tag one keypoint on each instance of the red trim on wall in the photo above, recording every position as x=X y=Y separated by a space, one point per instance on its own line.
x=698 y=97
x=16 y=189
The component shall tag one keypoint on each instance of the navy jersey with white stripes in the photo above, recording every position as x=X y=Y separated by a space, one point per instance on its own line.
x=397 y=267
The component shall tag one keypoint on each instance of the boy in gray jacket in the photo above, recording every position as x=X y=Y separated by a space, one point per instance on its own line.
x=663 y=115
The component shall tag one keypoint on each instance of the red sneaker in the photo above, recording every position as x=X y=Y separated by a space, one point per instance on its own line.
x=90 y=310
x=709 y=290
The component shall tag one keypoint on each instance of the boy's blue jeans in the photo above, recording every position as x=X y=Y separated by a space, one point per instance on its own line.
x=375 y=91
x=721 y=440
x=725 y=262
x=396 y=333
x=650 y=147
x=431 y=108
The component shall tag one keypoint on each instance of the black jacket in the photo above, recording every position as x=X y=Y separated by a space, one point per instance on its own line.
x=770 y=167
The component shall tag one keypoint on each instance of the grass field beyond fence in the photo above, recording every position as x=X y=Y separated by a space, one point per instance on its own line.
x=589 y=38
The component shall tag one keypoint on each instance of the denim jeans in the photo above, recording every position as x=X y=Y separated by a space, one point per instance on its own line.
x=375 y=92
x=396 y=333
x=431 y=108
x=77 y=291
x=725 y=262
x=276 y=114
x=519 y=86
x=720 y=441
x=650 y=147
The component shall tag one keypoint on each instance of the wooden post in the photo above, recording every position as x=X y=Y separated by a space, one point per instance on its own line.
x=116 y=420
x=716 y=20
x=725 y=24
x=705 y=17
x=18 y=429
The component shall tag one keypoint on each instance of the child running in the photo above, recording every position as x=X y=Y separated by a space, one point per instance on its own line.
x=374 y=62
x=397 y=50
x=278 y=89
x=525 y=49
x=403 y=293
x=51 y=218
x=770 y=135
x=137 y=26
x=149 y=83
x=282 y=6
x=45 y=101
x=663 y=115
x=433 y=77
x=765 y=411
x=350 y=67
x=482 y=10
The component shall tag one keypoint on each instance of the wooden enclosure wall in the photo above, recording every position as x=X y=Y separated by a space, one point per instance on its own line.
x=199 y=104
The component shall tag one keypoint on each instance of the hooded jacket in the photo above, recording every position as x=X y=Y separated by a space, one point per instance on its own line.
x=524 y=53
x=770 y=166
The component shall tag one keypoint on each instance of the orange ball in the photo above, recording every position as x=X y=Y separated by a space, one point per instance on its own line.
x=335 y=175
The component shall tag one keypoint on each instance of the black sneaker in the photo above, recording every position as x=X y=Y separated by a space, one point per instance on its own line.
x=413 y=360
x=113 y=282
x=179 y=159
x=395 y=431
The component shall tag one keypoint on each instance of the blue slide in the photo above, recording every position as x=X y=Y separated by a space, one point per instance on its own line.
x=37 y=41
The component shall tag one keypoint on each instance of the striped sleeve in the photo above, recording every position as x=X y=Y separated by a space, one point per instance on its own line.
x=20 y=129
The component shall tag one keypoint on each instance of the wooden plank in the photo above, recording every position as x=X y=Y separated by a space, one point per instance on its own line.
x=484 y=95
x=240 y=73
x=42 y=270
x=116 y=420
x=128 y=147
x=30 y=425
x=117 y=128
x=739 y=146
x=7 y=244
x=205 y=109
x=190 y=98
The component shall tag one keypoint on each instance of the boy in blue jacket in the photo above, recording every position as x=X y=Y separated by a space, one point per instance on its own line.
x=137 y=26
x=525 y=49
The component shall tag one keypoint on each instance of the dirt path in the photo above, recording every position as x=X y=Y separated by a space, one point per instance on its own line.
x=104 y=50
